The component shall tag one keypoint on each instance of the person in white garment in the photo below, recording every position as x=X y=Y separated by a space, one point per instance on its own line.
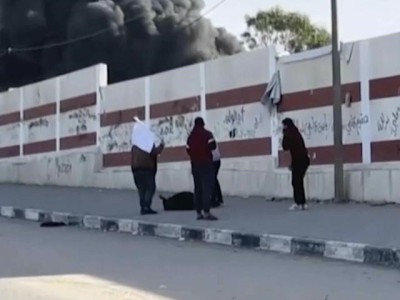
x=144 y=155
x=216 y=199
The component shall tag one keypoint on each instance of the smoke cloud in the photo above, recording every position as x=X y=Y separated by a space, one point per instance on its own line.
x=143 y=37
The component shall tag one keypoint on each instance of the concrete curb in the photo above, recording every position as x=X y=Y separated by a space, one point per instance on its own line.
x=352 y=252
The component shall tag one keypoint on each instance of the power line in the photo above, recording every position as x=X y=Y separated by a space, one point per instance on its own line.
x=75 y=40
x=205 y=14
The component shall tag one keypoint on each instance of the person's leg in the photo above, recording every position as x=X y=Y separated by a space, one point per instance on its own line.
x=302 y=191
x=208 y=179
x=218 y=186
x=298 y=173
x=217 y=166
x=214 y=197
x=140 y=182
x=296 y=183
x=197 y=190
x=150 y=190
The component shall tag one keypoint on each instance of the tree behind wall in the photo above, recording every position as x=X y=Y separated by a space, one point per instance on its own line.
x=292 y=30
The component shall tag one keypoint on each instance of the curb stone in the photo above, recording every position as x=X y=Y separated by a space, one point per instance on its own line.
x=351 y=252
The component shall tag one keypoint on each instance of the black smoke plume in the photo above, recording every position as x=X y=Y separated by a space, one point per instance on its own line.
x=143 y=37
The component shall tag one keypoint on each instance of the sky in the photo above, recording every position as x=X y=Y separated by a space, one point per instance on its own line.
x=373 y=18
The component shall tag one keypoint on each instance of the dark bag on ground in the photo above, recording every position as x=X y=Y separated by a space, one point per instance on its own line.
x=179 y=202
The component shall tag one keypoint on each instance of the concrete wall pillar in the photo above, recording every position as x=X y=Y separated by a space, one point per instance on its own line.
x=147 y=99
x=21 y=122
x=365 y=101
x=58 y=100
x=101 y=82
x=203 y=91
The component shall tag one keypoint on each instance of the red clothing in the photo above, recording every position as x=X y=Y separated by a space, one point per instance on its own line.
x=199 y=145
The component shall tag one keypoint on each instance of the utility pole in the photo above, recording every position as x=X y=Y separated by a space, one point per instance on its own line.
x=337 y=107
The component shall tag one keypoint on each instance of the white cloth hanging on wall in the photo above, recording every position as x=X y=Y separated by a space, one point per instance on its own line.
x=346 y=52
x=273 y=93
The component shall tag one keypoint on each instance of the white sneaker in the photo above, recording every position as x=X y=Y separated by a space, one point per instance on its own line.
x=294 y=207
x=305 y=207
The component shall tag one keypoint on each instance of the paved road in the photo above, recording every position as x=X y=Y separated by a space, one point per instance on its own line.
x=70 y=264
x=357 y=223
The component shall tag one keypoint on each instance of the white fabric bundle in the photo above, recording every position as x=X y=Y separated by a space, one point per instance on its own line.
x=142 y=136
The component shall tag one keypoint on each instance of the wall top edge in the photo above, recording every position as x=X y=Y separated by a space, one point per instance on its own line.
x=306 y=55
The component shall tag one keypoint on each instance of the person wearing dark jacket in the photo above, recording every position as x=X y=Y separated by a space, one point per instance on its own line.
x=294 y=143
x=199 y=147
x=144 y=169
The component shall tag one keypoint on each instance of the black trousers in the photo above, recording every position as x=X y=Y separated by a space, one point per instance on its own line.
x=299 y=169
x=145 y=181
x=217 y=193
x=203 y=178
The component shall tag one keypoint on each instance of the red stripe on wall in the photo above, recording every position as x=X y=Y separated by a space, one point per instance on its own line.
x=122 y=116
x=229 y=149
x=40 y=147
x=9 y=118
x=176 y=107
x=382 y=88
x=10 y=151
x=78 y=102
x=317 y=97
x=120 y=159
x=325 y=155
x=385 y=151
x=78 y=141
x=244 y=95
x=246 y=148
x=40 y=111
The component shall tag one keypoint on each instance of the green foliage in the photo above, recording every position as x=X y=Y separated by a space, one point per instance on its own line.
x=293 y=30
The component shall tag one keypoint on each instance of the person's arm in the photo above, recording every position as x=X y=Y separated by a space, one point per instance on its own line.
x=286 y=141
x=286 y=144
x=188 y=146
x=157 y=150
x=212 y=144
